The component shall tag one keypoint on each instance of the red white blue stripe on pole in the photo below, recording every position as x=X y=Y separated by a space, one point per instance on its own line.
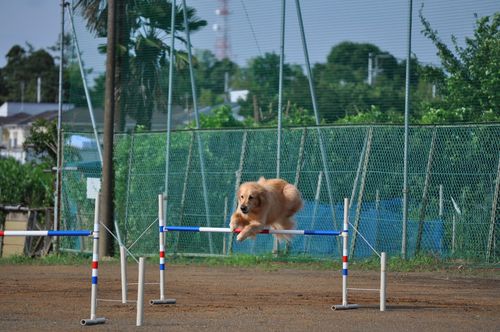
x=46 y=233
x=264 y=231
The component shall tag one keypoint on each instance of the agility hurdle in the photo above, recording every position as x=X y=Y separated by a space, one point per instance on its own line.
x=344 y=234
x=95 y=257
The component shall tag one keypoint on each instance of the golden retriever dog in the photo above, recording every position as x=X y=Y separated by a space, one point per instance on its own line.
x=265 y=204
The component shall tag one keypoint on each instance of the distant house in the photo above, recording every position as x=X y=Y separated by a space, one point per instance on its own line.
x=14 y=130
x=16 y=120
x=237 y=95
x=12 y=108
x=15 y=123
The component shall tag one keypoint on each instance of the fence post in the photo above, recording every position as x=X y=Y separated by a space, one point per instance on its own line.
x=237 y=183
x=423 y=208
x=361 y=191
x=307 y=241
x=494 y=205
x=184 y=189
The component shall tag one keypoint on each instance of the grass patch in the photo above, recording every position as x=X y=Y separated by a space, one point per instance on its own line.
x=62 y=258
x=268 y=262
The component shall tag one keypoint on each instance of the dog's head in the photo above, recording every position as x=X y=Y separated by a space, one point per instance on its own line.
x=250 y=197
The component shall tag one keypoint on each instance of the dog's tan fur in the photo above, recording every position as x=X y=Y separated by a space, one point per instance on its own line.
x=265 y=204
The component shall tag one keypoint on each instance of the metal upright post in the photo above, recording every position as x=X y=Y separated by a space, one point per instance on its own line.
x=316 y=113
x=407 y=117
x=280 y=87
x=197 y=119
x=169 y=104
x=276 y=244
x=57 y=200
x=85 y=85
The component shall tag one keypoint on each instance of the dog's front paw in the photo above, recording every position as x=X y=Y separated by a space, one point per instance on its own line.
x=241 y=237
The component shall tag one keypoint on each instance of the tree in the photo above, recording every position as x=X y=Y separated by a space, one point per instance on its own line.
x=470 y=86
x=42 y=139
x=142 y=50
x=18 y=80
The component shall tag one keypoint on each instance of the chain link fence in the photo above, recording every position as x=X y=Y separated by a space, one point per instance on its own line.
x=453 y=178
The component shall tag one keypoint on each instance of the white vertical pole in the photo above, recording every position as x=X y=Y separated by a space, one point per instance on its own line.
x=383 y=262
x=162 y=299
x=123 y=269
x=140 y=294
x=95 y=265
x=162 y=247
x=345 y=251
x=95 y=259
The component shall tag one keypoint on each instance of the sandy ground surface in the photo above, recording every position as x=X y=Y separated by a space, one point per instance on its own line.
x=56 y=298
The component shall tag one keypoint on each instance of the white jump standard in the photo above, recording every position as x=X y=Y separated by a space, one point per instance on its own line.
x=161 y=221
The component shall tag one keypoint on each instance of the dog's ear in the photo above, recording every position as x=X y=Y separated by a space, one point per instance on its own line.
x=261 y=180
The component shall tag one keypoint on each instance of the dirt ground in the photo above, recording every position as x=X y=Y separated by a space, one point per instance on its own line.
x=56 y=298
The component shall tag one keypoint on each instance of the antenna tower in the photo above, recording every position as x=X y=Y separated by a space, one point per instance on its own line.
x=222 y=47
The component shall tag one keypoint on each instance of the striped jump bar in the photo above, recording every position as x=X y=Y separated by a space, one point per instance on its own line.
x=264 y=231
x=46 y=233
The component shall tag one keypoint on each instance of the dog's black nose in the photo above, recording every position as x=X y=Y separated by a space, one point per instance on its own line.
x=244 y=209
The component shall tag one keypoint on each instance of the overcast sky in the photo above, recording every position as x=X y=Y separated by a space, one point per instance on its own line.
x=254 y=26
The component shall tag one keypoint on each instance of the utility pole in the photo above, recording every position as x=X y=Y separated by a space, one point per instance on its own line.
x=107 y=214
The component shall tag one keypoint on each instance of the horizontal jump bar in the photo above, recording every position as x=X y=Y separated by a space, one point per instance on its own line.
x=46 y=233
x=264 y=231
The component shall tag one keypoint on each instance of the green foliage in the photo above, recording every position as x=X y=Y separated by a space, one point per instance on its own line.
x=373 y=116
x=18 y=79
x=25 y=184
x=221 y=117
x=42 y=139
x=470 y=87
x=142 y=51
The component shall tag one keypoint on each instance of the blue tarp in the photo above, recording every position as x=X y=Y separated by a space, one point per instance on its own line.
x=381 y=228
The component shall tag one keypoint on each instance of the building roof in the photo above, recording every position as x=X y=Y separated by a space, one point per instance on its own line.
x=10 y=108
x=13 y=119
x=21 y=119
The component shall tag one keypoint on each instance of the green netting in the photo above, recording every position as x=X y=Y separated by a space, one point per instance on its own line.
x=364 y=163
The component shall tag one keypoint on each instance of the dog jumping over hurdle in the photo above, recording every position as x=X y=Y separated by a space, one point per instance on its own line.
x=265 y=204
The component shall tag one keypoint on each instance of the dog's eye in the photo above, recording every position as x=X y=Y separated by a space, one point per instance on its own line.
x=250 y=197
x=241 y=196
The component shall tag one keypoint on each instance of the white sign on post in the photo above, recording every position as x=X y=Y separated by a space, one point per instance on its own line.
x=93 y=187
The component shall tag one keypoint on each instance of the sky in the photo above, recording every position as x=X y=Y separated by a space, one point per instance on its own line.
x=254 y=26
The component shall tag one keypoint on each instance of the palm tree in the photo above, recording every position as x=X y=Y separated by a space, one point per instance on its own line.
x=142 y=51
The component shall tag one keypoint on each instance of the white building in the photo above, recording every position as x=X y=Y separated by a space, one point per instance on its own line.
x=15 y=123
x=14 y=130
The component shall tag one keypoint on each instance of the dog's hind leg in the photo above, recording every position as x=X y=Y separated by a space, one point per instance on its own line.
x=284 y=224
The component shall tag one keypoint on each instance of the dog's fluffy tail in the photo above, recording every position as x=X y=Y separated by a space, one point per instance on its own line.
x=287 y=223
